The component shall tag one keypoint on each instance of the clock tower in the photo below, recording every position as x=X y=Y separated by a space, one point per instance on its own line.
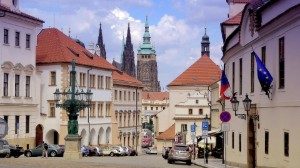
x=146 y=63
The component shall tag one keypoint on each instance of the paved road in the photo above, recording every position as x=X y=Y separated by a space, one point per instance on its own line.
x=143 y=161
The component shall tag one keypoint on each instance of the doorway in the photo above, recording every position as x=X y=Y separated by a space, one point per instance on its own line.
x=251 y=144
x=38 y=135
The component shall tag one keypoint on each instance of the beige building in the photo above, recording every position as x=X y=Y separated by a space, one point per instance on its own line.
x=269 y=135
x=97 y=124
x=19 y=77
x=127 y=106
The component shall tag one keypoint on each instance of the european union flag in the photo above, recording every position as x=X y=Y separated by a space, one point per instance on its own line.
x=264 y=76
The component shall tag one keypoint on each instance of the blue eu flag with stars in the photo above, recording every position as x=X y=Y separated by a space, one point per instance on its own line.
x=264 y=76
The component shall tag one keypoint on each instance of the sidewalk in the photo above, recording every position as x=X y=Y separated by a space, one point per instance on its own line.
x=212 y=163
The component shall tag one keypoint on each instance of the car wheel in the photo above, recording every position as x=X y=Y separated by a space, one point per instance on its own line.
x=28 y=154
x=189 y=162
x=8 y=155
x=170 y=161
x=52 y=153
x=111 y=154
x=16 y=156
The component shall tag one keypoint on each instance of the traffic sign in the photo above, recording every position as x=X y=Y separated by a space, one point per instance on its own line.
x=193 y=128
x=225 y=116
x=225 y=127
x=204 y=133
x=205 y=125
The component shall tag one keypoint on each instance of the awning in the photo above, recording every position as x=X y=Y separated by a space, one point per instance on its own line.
x=210 y=140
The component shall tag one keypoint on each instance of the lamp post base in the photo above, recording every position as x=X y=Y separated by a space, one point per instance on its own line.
x=72 y=147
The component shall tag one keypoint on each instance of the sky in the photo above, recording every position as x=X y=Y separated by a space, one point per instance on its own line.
x=176 y=27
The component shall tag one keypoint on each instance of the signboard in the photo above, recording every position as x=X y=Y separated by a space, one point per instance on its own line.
x=225 y=116
x=205 y=125
x=3 y=128
x=204 y=133
x=193 y=128
x=225 y=127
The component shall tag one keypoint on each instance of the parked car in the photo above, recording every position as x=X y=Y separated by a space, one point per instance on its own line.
x=217 y=152
x=151 y=150
x=92 y=151
x=130 y=151
x=53 y=150
x=4 y=148
x=111 y=151
x=165 y=152
x=99 y=151
x=180 y=153
x=121 y=150
x=84 y=151
x=15 y=151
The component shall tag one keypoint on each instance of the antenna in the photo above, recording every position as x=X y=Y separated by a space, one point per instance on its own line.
x=69 y=32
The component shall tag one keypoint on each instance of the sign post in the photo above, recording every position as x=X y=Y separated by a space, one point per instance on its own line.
x=225 y=116
x=193 y=136
x=205 y=126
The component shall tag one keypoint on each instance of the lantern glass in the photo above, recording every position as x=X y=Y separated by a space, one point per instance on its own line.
x=235 y=104
x=247 y=103
x=57 y=95
x=82 y=95
x=89 y=95
x=77 y=95
x=69 y=95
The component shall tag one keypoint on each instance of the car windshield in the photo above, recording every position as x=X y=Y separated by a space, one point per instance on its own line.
x=181 y=148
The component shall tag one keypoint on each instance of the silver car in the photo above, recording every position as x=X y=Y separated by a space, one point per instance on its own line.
x=180 y=153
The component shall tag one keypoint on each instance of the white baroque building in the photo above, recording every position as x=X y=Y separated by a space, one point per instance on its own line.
x=97 y=124
x=19 y=78
x=272 y=30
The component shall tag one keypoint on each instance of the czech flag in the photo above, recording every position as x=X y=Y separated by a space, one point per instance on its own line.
x=225 y=92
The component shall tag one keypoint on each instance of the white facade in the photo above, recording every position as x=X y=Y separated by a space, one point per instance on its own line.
x=100 y=120
x=20 y=81
x=273 y=140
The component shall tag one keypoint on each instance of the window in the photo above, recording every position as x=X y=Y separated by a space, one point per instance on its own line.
x=92 y=81
x=163 y=108
x=17 y=85
x=241 y=76
x=82 y=79
x=263 y=55
x=129 y=96
x=27 y=123
x=197 y=101
x=125 y=95
x=52 y=78
x=107 y=110
x=120 y=95
x=17 y=124
x=286 y=144
x=151 y=108
x=266 y=142
x=52 y=109
x=190 y=111
x=116 y=95
x=133 y=96
x=145 y=108
x=124 y=120
x=17 y=39
x=5 y=39
x=108 y=83
x=6 y=119
x=240 y=142
x=281 y=63
x=5 y=85
x=27 y=86
x=200 y=111
x=82 y=113
x=233 y=76
x=128 y=119
x=100 y=109
x=138 y=96
x=27 y=41
x=101 y=82
x=156 y=108
x=252 y=72
x=183 y=127
x=232 y=138
x=93 y=110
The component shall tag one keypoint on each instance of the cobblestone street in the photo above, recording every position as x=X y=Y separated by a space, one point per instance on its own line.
x=142 y=161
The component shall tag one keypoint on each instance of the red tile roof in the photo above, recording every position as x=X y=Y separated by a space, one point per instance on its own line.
x=169 y=134
x=6 y=9
x=235 y=20
x=53 y=46
x=203 y=72
x=155 y=96
x=121 y=78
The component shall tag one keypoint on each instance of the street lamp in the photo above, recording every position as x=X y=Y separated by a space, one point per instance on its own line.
x=235 y=107
x=247 y=106
x=72 y=101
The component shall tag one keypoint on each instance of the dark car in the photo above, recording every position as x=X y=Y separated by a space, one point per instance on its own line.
x=85 y=151
x=217 y=153
x=130 y=151
x=53 y=150
x=165 y=152
x=15 y=151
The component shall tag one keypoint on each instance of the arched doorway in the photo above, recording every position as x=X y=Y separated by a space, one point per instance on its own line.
x=83 y=137
x=38 y=135
x=108 y=133
x=100 y=136
x=92 y=137
x=52 y=137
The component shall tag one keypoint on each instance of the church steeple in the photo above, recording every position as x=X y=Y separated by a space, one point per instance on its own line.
x=128 y=63
x=146 y=37
x=205 y=45
x=146 y=47
x=101 y=44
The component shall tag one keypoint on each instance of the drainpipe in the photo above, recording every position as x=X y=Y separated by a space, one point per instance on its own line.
x=88 y=119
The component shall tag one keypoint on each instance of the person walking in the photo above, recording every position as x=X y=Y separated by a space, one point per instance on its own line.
x=45 y=150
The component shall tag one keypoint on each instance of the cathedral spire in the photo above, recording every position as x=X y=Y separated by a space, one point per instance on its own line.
x=205 y=44
x=101 y=44
x=146 y=37
x=128 y=63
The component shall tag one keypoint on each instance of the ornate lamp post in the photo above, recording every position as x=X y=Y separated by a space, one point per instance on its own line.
x=73 y=101
x=235 y=106
x=247 y=106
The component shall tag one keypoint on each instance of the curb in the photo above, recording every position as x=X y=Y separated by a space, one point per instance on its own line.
x=199 y=165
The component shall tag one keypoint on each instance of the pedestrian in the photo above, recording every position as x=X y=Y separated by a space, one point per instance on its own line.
x=45 y=150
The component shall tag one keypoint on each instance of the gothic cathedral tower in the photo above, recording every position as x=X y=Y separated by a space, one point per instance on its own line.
x=205 y=45
x=128 y=64
x=146 y=63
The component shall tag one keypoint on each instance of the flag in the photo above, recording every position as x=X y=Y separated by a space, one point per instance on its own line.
x=225 y=92
x=264 y=76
